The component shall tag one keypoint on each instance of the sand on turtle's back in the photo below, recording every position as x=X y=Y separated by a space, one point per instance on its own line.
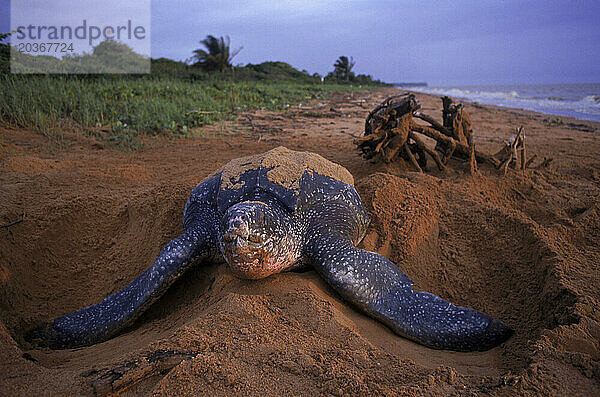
x=287 y=167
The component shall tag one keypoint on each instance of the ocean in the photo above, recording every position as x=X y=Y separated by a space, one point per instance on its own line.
x=581 y=101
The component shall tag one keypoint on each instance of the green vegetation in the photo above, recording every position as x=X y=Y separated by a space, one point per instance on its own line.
x=175 y=98
x=557 y=121
x=148 y=104
x=4 y=53
x=342 y=68
x=266 y=71
x=107 y=57
x=342 y=73
x=218 y=57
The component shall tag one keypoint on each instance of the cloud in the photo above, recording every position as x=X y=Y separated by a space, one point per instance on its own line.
x=395 y=40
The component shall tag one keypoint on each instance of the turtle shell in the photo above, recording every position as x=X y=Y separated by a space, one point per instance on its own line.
x=298 y=179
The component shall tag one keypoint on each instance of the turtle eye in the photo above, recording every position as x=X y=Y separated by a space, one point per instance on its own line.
x=254 y=238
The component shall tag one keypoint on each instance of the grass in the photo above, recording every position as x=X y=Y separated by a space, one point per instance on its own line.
x=134 y=105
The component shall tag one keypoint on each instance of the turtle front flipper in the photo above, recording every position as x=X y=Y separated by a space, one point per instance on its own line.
x=96 y=323
x=378 y=287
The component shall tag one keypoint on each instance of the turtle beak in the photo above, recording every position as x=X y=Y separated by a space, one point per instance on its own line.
x=236 y=235
x=240 y=244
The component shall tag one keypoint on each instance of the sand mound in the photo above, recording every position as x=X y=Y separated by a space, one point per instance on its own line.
x=288 y=333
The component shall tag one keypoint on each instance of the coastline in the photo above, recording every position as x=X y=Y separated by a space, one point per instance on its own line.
x=581 y=101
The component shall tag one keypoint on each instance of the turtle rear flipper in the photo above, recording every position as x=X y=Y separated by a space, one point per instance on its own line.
x=378 y=287
x=96 y=323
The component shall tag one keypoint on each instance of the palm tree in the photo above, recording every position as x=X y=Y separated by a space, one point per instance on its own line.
x=5 y=52
x=218 y=57
x=343 y=66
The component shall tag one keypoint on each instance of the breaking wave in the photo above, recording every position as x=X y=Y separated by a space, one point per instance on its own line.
x=575 y=100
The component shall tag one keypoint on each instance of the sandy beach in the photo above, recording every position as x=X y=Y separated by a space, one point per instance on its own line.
x=521 y=247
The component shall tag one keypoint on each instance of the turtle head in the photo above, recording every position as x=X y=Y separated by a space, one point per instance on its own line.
x=255 y=239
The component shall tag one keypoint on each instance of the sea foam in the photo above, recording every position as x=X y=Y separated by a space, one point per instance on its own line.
x=575 y=100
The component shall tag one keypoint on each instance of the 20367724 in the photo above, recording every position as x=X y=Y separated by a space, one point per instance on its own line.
x=45 y=47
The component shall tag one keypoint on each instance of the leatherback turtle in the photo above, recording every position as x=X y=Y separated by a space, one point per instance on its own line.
x=280 y=211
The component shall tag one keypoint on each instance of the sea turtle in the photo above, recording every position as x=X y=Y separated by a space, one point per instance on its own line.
x=280 y=211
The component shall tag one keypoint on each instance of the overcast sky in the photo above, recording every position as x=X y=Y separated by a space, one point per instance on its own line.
x=441 y=42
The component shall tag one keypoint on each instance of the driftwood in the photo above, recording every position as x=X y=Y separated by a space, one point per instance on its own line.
x=390 y=131
x=117 y=380
x=8 y=225
x=509 y=154
x=457 y=121
x=11 y=224
x=514 y=154
x=545 y=163
x=528 y=163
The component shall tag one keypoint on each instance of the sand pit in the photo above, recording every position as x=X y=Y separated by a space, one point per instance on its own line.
x=523 y=248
